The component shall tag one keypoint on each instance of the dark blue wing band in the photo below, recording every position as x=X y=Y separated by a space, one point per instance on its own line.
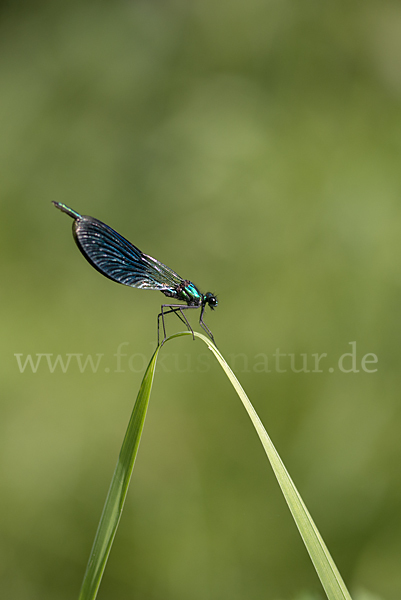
x=116 y=258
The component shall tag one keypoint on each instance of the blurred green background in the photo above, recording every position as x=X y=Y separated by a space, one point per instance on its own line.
x=255 y=148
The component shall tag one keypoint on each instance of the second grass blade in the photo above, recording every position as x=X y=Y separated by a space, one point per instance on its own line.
x=118 y=489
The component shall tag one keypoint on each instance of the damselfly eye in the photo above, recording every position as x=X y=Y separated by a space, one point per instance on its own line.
x=211 y=299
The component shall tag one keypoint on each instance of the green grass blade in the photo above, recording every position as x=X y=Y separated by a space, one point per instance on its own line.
x=325 y=567
x=118 y=489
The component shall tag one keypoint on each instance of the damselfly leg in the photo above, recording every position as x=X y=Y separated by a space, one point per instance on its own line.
x=176 y=309
x=204 y=326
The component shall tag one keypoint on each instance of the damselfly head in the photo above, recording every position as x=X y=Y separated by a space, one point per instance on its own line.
x=210 y=299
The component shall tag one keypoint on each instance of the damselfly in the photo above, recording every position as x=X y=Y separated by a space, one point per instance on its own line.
x=116 y=258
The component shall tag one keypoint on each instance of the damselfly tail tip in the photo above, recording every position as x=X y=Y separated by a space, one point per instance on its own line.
x=66 y=209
